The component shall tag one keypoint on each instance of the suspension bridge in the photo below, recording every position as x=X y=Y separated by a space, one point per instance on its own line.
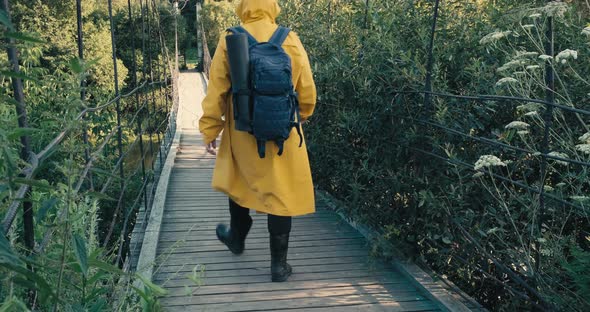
x=165 y=210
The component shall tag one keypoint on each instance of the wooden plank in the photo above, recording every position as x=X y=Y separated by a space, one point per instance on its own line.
x=198 y=234
x=423 y=280
x=263 y=247
x=222 y=215
x=294 y=253
x=397 y=290
x=331 y=296
x=212 y=267
x=299 y=269
x=259 y=226
x=257 y=243
x=410 y=302
x=361 y=282
x=265 y=278
x=378 y=307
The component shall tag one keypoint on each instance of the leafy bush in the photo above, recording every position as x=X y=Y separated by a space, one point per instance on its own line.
x=73 y=270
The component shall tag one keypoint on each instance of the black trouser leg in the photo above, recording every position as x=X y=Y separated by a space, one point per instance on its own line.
x=278 y=225
x=239 y=215
x=279 y=229
x=240 y=224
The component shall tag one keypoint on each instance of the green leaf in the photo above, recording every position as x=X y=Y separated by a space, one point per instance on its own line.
x=45 y=291
x=105 y=266
x=99 y=305
x=45 y=207
x=97 y=277
x=43 y=185
x=13 y=305
x=10 y=165
x=12 y=74
x=7 y=255
x=81 y=253
x=5 y=20
x=19 y=132
x=76 y=65
x=23 y=37
x=142 y=294
x=157 y=290
x=100 y=196
x=4 y=192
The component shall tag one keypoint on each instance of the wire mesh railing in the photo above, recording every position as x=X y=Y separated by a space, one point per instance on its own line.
x=118 y=166
x=457 y=144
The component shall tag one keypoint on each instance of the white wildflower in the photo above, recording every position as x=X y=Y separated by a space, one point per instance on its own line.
x=523 y=132
x=494 y=37
x=506 y=80
x=532 y=114
x=565 y=55
x=560 y=155
x=580 y=199
x=585 y=138
x=528 y=26
x=584 y=148
x=478 y=175
x=519 y=73
x=555 y=9
x=517 y=125
x=526 y=54
x=535 y=16
x=511 y=65
x=586 y=31
x=548 y=188
x=560 y=184
x=546 y=57
x=533 y=67
x=486 y=161
x=529 y=107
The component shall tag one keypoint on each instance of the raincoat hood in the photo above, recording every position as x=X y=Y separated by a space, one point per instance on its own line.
x=255 y=10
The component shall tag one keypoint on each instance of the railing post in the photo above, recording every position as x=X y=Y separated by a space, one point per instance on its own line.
x=146 y=16
x=119 y=129
x=366 y=14
x=139 y=106
x=80 y=41
x=548 y=121
x=430 y=64
x=25 y=151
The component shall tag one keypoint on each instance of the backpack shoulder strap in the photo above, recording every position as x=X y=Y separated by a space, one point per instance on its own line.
x=280 y=36
x=241 y=30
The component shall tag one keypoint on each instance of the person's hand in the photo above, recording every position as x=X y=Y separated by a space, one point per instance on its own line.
x=212 y=147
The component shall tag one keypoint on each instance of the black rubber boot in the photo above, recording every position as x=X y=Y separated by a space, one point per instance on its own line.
x=235 y=236
x=279 y=268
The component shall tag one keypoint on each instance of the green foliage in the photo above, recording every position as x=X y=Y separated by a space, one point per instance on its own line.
x=578 y=269
x=73 y=270
x=217 y=17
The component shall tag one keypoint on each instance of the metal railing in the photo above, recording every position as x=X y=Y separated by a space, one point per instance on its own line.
x=148 y=110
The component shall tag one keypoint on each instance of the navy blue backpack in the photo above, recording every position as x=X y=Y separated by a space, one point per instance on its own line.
x=274 y=103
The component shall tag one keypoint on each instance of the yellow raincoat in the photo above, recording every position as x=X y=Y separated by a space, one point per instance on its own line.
x=278 y=185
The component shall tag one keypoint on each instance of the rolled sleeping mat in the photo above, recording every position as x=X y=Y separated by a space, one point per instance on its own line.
x=239 y=64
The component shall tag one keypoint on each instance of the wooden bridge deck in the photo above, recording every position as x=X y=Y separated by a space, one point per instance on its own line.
x=330 y=259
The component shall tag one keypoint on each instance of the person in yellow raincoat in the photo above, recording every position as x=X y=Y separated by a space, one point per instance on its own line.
x=280 y=186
